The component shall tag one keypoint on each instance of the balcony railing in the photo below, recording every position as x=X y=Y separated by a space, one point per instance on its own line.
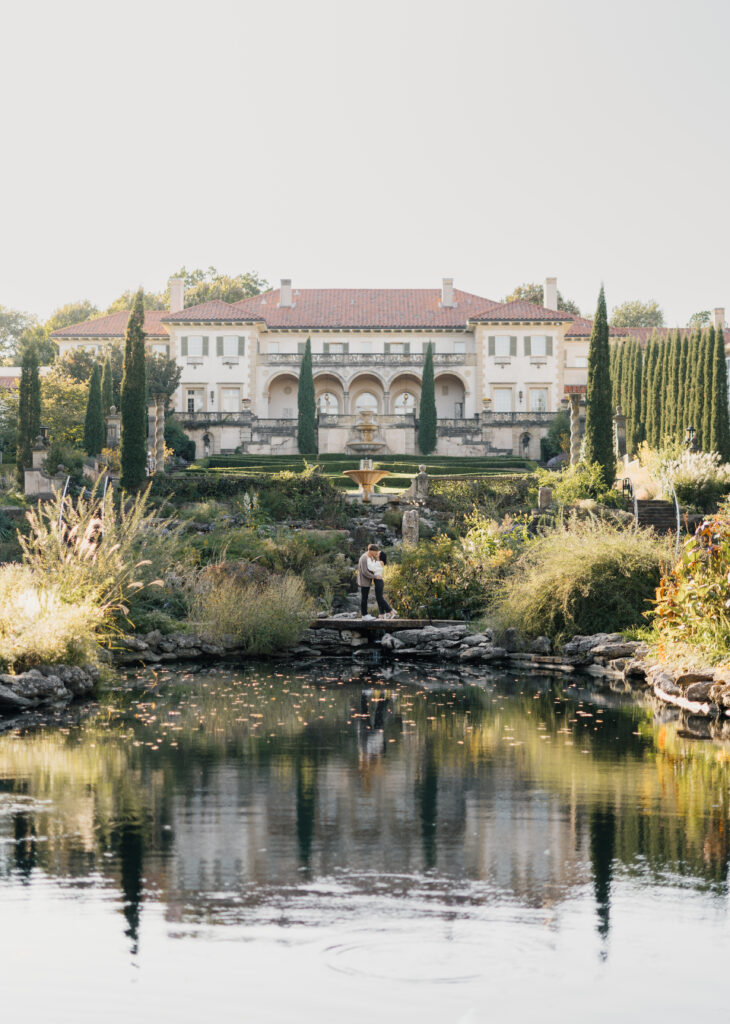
x=492 y=418
x=371 y=358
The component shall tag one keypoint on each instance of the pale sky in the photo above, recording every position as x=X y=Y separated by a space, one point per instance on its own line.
x=377 y=144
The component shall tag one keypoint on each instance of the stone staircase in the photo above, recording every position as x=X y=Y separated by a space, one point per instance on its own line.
x=659 y=515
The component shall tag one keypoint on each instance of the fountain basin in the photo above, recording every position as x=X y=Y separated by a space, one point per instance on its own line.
x=366 y=478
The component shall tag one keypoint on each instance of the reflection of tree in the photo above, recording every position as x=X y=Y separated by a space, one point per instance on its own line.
x=25 y=844
x=306 y=772
x=427 y=795
x=603 y=846
x=128 y=840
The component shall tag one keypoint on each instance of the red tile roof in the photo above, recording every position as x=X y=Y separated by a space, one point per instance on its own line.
x=519 y=311
x=582 y=328
x=575 y=389
x=114 y=325
x=343 y=308
x=9 y=382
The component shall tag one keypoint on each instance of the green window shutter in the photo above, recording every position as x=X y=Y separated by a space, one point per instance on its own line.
x=407 y=348
x=219 y=346
x=386 y=348
x=205 y=345
x=490 y=345
x=513 y=345
x=300 y=347
x=548 y=345
x=241 y=346
x=346 y=348
x=326 y=347
x=528 y=345
x=183 y=346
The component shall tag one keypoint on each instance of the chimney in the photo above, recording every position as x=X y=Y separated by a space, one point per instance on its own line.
x=550 y=294
x=285 y=293
x=447 y=292
x=719 y=317
x=177 y=294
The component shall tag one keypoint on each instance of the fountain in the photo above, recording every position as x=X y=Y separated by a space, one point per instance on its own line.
x=367 y=429
x=366 y=477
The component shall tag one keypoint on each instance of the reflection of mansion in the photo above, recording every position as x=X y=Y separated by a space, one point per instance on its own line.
x=501 y=369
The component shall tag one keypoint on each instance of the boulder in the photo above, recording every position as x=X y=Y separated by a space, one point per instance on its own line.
x=584 y=645
x=542 y=645
x=699 y=691
x=511 y=640
x=474 y=639
x=12 y=701
x=611 y=651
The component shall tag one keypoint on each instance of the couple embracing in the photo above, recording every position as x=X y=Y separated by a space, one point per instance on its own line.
x=370 y=570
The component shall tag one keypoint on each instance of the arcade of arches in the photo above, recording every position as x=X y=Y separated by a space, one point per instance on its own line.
x=367 y=392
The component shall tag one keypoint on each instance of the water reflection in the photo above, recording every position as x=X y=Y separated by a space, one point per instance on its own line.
x=225 y=796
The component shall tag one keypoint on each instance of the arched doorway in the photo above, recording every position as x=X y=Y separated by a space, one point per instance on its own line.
x=282 y=395
x=366 y=394
x=450 y=396
x=405 y=394
x=329 y=394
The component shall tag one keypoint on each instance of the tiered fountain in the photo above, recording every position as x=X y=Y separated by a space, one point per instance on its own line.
x=367 y=445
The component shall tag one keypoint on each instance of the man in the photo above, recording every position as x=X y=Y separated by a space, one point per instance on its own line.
x=365 y=577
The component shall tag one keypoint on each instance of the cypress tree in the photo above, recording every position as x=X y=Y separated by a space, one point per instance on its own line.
x=427 y=409
x=107 y=390
x=691 y=388
x=675 y=356
x=637 y=427
x=682 y=388
x=657 y=392
x=719 y=420
x=133 y=447
x=306 y=405
x=661 y=392
x=646 y=388
x=708 y=349
x=94 y=422
x=29 y=411
x=599 y=423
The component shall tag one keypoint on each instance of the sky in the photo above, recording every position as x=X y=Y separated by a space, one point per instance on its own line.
x=378 y=144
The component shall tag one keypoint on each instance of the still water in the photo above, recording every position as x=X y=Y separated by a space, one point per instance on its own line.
x=294 y=844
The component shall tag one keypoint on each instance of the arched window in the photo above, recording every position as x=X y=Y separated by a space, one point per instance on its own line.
x=328 y=404
x=366 y=402
x=405 y=404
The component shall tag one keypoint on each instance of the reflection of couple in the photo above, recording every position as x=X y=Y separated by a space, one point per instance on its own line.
x=370 y=570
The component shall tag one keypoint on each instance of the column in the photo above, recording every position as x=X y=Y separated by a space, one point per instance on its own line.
x=574 y=429
x=386 y=403
x=345 y=403
x=159 y=433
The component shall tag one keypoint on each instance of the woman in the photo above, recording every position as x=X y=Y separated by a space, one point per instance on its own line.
x=376 y=566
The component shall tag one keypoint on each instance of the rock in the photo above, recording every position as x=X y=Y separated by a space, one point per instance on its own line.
x=410 y=637
x=611 y=651
x=153 y=638
x=584 y=644
x=391 y=642
x=472 y=654
x=720 y=694
x=495 y=653
x=511 y=640
x=409 y=528
x=544 y=497
x=474 y=639
x=131 y=643
x=662 y=681
x=542 y=644
x=185 y=641
x=686 y=679
x=213 y=649
x=697 y=691
x=11 y=701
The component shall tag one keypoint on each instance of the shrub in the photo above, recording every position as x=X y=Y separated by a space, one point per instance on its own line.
x=92 y=550
x=72 y=460
x=176 y=438
x=575 y=483
x=38 y=627
x=700 y=479
x=434 y=580
x=583 y=577
x=496 y=495
x=557 y=439
x=693 y=600
x=262 y=617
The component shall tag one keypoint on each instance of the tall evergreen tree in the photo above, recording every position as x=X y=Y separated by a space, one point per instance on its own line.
x=133 y=447
x=306 y=405
x=692 y=385
x=599 y=418
x=107 y=387
x=682 y=388
x=646 y=379
x=676 y=355
x=29 y=411
x=719 y=425
x=637 y=427
x=94 y=421
x=427 y=409
x=708 y=349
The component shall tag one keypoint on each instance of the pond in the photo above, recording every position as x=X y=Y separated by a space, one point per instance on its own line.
x=279 y=842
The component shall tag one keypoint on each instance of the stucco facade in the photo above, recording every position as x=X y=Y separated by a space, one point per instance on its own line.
x=500 y=370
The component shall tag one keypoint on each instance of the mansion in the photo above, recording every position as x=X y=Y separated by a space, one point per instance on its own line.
x=501 y=370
